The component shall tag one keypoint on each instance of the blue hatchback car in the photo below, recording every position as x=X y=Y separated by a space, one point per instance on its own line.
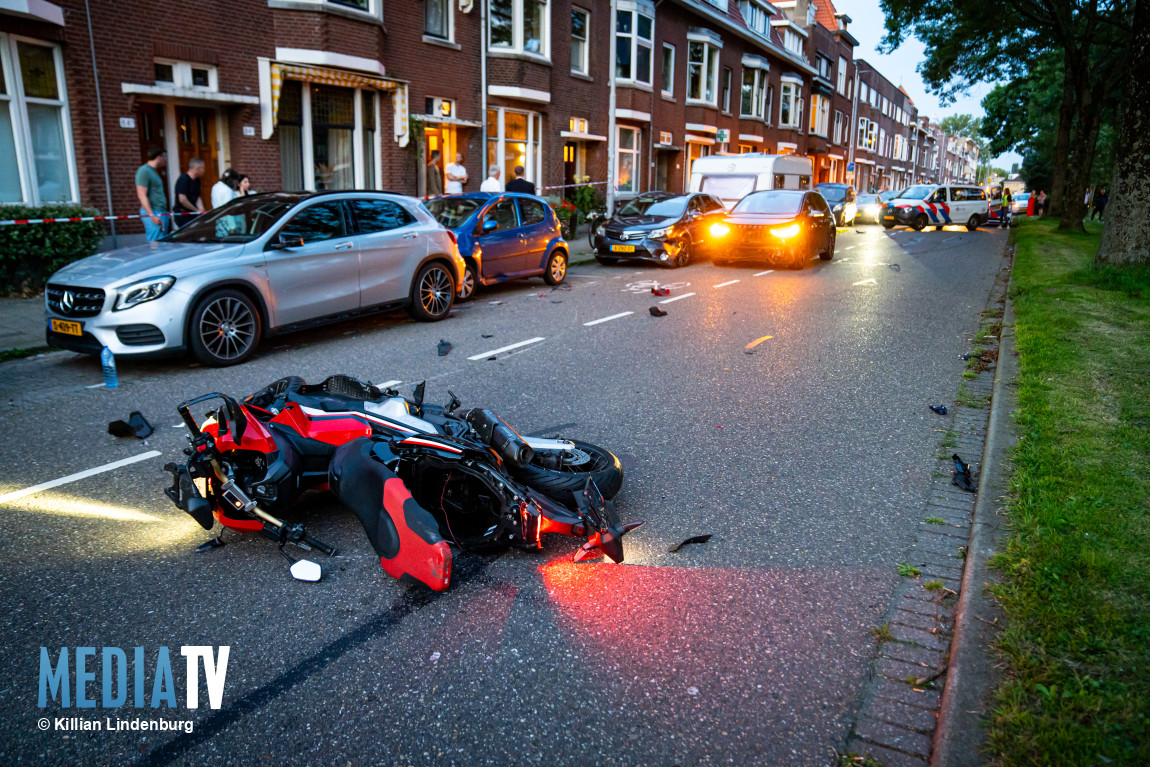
x=503 y=236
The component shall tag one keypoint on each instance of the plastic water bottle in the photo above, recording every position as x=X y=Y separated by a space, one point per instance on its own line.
x=108 y=361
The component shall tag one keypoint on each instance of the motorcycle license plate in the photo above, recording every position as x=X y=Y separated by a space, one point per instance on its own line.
x=67 y=328
x=622 y=248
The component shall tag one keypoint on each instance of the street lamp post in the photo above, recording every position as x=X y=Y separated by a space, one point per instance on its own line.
x=852 y=130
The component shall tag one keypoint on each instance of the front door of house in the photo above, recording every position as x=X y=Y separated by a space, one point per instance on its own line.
x=150 y=125
x=196 y=137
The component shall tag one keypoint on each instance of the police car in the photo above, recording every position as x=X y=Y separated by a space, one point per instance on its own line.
x=937 y=205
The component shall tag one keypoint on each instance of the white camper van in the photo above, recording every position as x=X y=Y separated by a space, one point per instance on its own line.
x=732 y=177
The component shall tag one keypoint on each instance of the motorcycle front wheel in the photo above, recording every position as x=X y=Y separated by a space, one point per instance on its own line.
x=559 y=479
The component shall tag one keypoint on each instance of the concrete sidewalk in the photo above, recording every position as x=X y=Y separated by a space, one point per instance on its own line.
x=21 y=323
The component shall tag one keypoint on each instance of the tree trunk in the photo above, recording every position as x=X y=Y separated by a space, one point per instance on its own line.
x=1062 y=143
x=1126 y=235
x=1081 y=162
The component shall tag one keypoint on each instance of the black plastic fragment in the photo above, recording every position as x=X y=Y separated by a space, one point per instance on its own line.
x=940 y=409
x=657 y=312
x=487 y=335
x=214 y=543
x=136 y=426
x=692 y=539
x=444 y=347
x=963 y=477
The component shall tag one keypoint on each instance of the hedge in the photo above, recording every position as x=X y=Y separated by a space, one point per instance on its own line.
x=30 y=253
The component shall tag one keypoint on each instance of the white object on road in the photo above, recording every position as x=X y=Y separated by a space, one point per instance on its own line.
x=868 y=281
x=500 y=350
x=760 y=274
x=606 y=319
x=725 y=284
x=676 y=298
x=18 y=494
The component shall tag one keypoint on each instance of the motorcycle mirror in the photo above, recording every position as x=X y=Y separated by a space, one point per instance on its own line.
x=306 y=570
x=453 y=403
x=417 y=392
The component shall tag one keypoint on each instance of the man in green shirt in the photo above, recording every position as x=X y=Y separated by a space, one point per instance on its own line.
x=150 y=190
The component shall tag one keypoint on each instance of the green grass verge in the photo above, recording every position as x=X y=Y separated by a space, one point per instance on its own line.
x=1076 y=589
x=16 y=354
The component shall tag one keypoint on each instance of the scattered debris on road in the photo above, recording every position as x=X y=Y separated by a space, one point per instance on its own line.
x=487 y=335
x=657 y=312
x=444 y=347
x=940 y=409
x=693 y=539
x=963 y=477
x=136 y=426
x=661 y=291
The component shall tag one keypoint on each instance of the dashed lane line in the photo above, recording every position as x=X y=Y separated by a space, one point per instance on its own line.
x=757 y=341
x=606 y=319
x=868 y=281
x=725 y=284
x=760 y=274
x=502 y=349
x=18 y=494
x=676 y=298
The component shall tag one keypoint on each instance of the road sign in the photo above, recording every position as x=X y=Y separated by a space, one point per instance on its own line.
x=850 y=167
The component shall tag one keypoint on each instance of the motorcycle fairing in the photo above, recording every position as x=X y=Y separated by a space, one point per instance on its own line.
x=404 y=534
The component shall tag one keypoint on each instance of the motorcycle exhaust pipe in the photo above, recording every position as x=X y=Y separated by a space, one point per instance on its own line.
x=495 y=432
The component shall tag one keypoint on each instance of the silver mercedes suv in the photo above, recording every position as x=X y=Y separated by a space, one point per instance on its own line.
x=258 y=266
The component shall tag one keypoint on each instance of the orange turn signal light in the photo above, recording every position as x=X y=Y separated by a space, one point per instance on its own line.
x=719 y=229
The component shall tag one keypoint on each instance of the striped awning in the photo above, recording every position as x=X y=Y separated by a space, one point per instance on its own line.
x=343 y=79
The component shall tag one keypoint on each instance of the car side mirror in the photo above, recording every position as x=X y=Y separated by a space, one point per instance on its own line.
x=490 y=225
x=286 y=240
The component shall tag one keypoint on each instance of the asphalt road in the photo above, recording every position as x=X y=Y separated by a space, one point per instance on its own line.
x=808 y=456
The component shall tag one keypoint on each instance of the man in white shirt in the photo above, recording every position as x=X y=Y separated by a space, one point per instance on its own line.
x=492 y=182
x=456 y=176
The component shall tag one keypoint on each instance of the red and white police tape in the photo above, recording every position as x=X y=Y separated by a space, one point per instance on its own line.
x=14 y=221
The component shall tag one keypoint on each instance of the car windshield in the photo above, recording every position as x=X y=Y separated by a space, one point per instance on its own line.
x=867 y=199
x=1022 y=197
x=451 y=212
x=667 y=207
x=241 y=220
x=832 y=192
x=770 y=202
x=918 y=192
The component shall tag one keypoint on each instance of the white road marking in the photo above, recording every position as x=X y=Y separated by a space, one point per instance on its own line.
x=769 y=271
x=18 y=494
x=757 y=341
x=96 y=386
x=676 y=298
x=849 y=247
x=725 y=284
x=606 y=319
x=593 y=282
x=387 y=384
x=868 y=281
x=500 y=350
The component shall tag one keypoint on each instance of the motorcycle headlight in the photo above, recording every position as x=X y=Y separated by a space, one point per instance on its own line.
x=142 y=292
x=657 y=234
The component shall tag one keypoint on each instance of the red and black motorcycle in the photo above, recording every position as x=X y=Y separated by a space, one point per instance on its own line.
x=418 y=476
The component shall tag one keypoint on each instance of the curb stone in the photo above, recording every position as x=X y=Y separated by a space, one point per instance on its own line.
x=892 y=724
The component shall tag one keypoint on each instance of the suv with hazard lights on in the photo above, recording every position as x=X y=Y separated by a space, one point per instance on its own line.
x=781 y=226
x=937 y=205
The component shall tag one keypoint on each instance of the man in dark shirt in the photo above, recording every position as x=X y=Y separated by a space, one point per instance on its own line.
x=188 y=191
x=520 y=184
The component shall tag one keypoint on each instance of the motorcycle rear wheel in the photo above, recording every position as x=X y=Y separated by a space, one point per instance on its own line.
x=558 y=484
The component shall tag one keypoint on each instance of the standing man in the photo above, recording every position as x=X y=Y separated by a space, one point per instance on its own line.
x=1100 y=200
x=520 y=184
x=492 y=182
x=1041 y=201
x=150 y=190
x=456 y=176
x=188 y=190
x=434 y=176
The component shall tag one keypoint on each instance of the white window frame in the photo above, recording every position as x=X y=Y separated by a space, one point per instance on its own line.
x=793 y=42
x=838 y=139
x=756 y=17
x=710 y=71
x=585 y=64
x=758 y=93
x=374 y=7
x=450 y=6
x=516 y=46
x=796 y=109
x=842 y=76
x=725 y=85
x=820 y=115
x=182 y=75
x=669 y=93
x=635 y=43
x=636 y=171
x=358 y=159
x=533 y=170
x=16 y=102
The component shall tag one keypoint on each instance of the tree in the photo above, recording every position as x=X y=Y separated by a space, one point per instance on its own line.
x=1126 y=235
x=967 y=126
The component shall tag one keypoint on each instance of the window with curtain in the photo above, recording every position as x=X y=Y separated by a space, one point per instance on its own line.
x=634 y=33
x=519 y=26
x=291 y=138
x=437 y=18
x=668 y=85
x=369 y=102
x=332 y=128
x=627 y=159
x=702 y=71
x=790 y=105
x=753 y=97
x=579 y=62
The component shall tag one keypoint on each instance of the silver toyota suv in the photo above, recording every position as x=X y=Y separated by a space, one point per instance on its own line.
x=258 y=266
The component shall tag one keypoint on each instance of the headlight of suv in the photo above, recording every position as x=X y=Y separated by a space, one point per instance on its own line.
x=601 y=230
x=657 y=234
x=838 y=207
x=142 y=292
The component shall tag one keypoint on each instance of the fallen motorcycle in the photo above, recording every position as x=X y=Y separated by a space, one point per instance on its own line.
x=418 y=476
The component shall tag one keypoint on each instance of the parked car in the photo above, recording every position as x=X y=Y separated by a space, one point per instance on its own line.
x=869 y=208
x=502 y=236
x=260 y=265
x=781 y=226
x=842 y=199
x=937 y=205
x=668 y=229
x=1019 y=202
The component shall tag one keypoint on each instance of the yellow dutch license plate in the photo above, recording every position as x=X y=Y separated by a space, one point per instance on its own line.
x=67 y=328
x=622 y=248
x=890 y=218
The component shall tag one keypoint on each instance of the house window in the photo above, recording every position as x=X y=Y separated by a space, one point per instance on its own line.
x=579 y=25
x=726 y=89
x=437 y=19
x=747 y=149
x=838 y=127
x=790 y=106
x=770 y=102
x=668 y=70
x=633 y=34
x=820 y=115
x=36 y=164
x=328 y=137
x=862 y=91
x=842 y=75
x=793 y=42
x=824 y=66
x=753 y=101
x=519 y=26
x=183 y=74
x=757 y=18
x=627 y=160
x=702 y=71
x=515 y=138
